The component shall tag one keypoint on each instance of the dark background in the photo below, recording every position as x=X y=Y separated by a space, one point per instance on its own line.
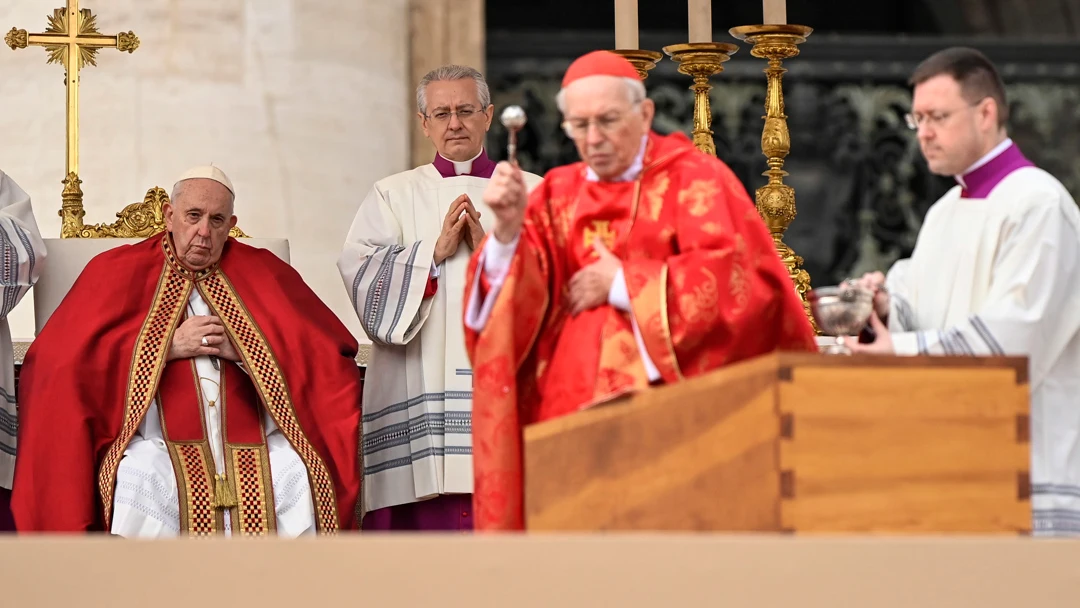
x=861 y=185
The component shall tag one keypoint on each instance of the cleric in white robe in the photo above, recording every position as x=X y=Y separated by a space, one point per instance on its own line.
x=994 y=270
x=403 y=265
x=22 y=256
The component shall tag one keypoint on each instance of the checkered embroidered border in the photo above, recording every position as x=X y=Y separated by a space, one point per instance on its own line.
x=249 y=468
x=151 y=347
x=270 y=383
x=196 y=488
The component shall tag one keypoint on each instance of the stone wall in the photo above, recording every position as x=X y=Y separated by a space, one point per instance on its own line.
x=299 y=101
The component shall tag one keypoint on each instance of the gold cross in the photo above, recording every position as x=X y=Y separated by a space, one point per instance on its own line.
x=72 y=39
x=601 y=229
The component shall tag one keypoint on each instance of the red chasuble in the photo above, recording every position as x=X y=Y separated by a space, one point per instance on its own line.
x=706 y=287
x=89 y=379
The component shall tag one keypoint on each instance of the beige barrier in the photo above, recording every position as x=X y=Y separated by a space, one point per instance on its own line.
x=661 y=571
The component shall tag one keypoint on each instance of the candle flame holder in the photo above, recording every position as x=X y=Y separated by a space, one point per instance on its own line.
x=642 y=60
x=701 y=61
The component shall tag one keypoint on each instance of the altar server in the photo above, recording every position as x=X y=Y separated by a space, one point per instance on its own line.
x=994 y=270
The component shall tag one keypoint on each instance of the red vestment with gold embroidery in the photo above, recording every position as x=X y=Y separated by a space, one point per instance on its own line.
x=88 y=380
x=706 y=288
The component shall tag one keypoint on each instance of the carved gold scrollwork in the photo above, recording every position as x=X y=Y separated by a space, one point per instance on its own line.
x=701 y=61
x=71 y=210
x=776 y=204
x=776 y=200
x=703 y=135
x=137 y=220
x=127 y=41
x=16 y=39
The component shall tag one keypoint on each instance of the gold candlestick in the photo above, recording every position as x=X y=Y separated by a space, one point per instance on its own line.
x=642 y=60
x=776 y=200
x=702 y=60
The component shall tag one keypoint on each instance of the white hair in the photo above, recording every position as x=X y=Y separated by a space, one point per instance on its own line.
x=452 y=72
x=635 y=91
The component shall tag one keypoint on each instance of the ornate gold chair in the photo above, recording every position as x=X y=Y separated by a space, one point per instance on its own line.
x=67 y=256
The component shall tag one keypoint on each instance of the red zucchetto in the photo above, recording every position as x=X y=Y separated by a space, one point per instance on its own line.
x=599 y=63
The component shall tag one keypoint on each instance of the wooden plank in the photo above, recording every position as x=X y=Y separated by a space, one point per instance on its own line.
x=965 y=504
x=525 y=571
x=907 y=449
x=807 y=360
x=899 y=448
x=743 y=380
x=871 y=443
x=928 y=392
x=660 y=463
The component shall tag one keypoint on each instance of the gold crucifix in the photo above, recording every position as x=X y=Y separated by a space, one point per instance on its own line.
x=72 y=39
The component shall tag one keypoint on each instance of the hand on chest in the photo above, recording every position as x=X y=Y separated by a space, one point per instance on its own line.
x=613 y=214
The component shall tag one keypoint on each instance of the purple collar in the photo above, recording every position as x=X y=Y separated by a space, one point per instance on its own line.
x=482 y=166
x=980 y=182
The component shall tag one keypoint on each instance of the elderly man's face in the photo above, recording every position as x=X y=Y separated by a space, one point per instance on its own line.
x=199 y=220
x=456 y=122
x=605 y=125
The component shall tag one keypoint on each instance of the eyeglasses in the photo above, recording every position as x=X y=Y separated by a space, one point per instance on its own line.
x=443 y=116
x=933 y=119
x=577 y=128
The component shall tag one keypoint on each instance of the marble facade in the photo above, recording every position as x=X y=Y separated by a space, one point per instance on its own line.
x=299 y=101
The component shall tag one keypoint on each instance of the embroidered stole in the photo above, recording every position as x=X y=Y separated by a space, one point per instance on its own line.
x=245 y=486
x=610 y=212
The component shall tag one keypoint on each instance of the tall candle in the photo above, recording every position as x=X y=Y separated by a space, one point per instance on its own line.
x=700 y=20
x=775 y=12
x=626 y=27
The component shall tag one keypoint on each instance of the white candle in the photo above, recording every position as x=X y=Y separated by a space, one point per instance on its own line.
x=775 y=12
x=700 y=20
x=626 y=27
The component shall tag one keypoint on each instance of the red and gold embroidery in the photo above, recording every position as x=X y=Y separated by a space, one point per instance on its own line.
x=274 y=392
x=150 y=350
x=249 y=467
x=620 y=369
x=601 y=229
x=193 y=464
x=647 y=281
x=205 y=494
x=699 y=197
x=665 y=322
x=655 y=195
